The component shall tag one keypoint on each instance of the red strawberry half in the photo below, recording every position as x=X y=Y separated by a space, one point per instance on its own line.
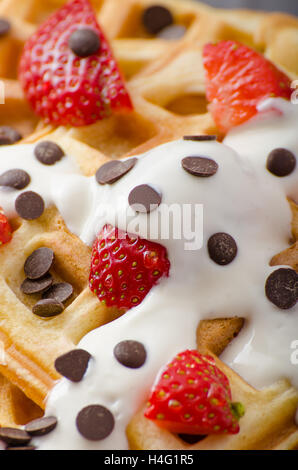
x=5 y=229
x=193 y=396
x=238 y=79
x=124 y=267
x=62 y=87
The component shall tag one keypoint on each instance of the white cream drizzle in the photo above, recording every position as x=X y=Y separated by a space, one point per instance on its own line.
x=242 y=199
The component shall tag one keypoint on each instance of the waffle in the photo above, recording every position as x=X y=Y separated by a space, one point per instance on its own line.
x=167 y=91
x=16 y=409
x=166 y=82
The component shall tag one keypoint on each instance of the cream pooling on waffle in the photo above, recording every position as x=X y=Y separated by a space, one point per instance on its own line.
x=254 y=140
x=197 y=288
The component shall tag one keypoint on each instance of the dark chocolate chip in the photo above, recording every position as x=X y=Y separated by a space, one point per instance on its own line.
x=41 y=426
x=281 y=162
x=144 y=198
x=157 y=17
x=48 y=308
x=48 y=153
x=61 y=291
x=36 y=286
x=17 y=179
x=84 y=42
x=95 y=422
x=21 y=448
x=112 y=171
x=192 y=439
x=29 y=205
x=222 y=248
x=73 y=364
x=200 y=166
x=172 y=33
x=5 y=27
x=130 y=354
x=39 y=263
x=200 y=138
x=14 y=436
x=9 y=135
x=282 y=288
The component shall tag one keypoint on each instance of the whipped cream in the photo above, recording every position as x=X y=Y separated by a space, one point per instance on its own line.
x=44 y=179
x=242 y=199
x=274 y=127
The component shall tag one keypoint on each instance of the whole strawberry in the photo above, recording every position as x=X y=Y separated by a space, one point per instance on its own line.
x=5 y=229
x=238 y=79
x=68 y=71
x=193 y=396
x=124 y=268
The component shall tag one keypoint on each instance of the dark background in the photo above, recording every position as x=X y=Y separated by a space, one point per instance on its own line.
x=289 y=6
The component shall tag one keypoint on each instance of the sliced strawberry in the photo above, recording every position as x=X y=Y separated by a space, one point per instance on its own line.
x=193 y=396
x=124 y=267
x=238 y=79
x=5 y=229
x=62 y=87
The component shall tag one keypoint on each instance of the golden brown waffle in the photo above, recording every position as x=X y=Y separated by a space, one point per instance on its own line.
x=166 y=82
x=15 y=408
x=32 y=344
x=166 y=78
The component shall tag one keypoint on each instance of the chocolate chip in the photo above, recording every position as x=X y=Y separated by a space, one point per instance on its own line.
x=21 y=448
x=112 y=171
x=173 y=32
x=222 y=248
x=73 y=364
x=130 y=354
x=200 y=138
x=200 y=166
x=41 y=426
x=5 y=27
x=48 y=153
x=9 y=135
x=281 y=162
x=144 y=198
x=29 y=205
x=14 y=436
x=17 y=179
x=84 y=42
x=48 y=308
x=39 y=263
x=157 y=17
x=37 y=286
x=192 y=439
x=282 y=288
x=95 y=422
x=61 y=291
